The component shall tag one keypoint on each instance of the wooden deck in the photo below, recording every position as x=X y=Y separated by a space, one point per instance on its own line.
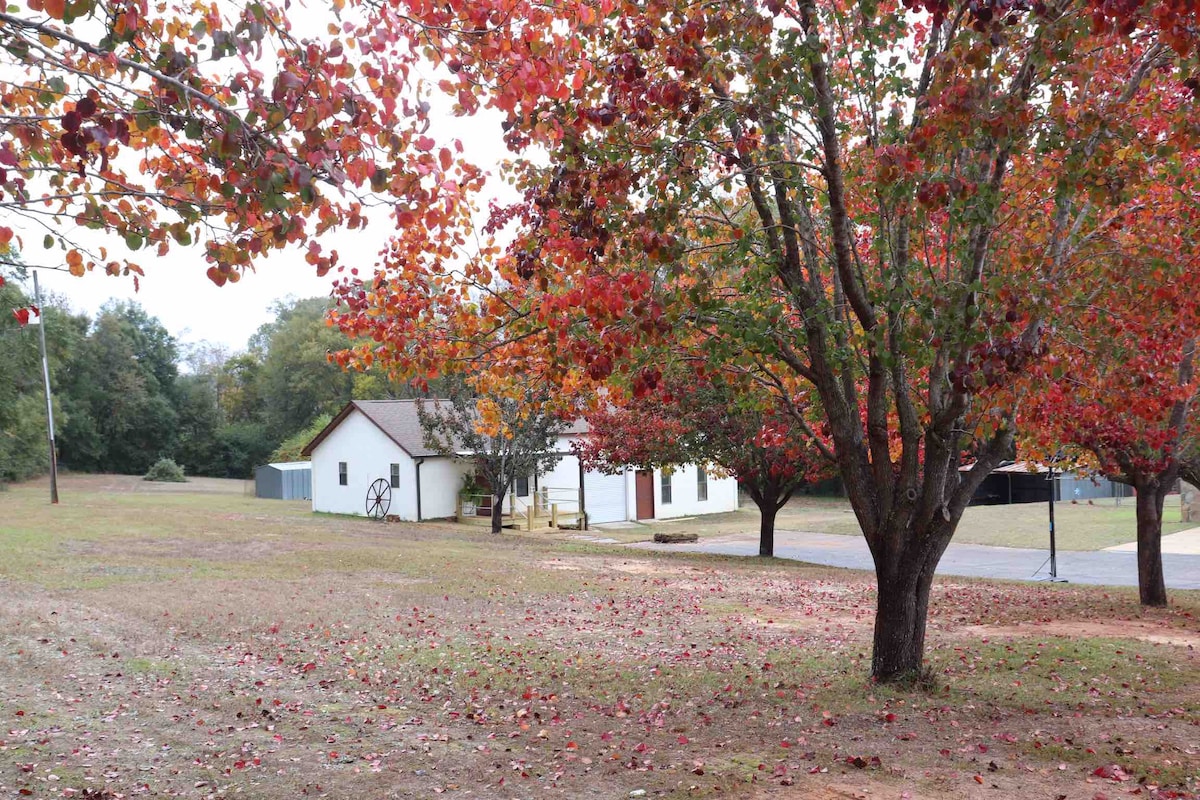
x=521 y=516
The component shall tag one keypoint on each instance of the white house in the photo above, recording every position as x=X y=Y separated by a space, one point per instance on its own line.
x=371 y=440
x=640 y=494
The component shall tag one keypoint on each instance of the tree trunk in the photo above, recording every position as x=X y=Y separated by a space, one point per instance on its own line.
x=900 y=629
x=905 y=578
x=497 y=512
x=766 y=528
x=1152 y=590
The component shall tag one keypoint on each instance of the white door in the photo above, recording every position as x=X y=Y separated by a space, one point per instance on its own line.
x=604 y=497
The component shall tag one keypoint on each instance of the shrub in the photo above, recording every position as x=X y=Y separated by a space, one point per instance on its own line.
x=167 y=471
x=290 y=449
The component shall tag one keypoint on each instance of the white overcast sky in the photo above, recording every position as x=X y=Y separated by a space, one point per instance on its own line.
x=176 y=290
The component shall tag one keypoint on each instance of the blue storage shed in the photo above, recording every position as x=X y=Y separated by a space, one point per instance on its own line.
x=290 y=480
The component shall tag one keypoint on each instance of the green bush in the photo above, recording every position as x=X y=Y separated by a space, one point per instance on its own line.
x=166 y=470
x=471 y=487
x=290 y=449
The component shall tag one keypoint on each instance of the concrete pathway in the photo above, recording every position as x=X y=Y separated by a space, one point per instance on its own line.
x=1103 y=568
x=1182 y=543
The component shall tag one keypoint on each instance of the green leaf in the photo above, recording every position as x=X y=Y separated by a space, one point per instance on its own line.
x=133 y=241
x=48 y=241
x=19 y=48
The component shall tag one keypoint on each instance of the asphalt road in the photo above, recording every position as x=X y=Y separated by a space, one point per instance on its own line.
x=1100 y=568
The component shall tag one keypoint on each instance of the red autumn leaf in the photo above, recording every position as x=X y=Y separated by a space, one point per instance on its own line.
x=1112 y=772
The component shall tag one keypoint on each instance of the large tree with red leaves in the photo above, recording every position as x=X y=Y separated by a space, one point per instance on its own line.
x=828 y=188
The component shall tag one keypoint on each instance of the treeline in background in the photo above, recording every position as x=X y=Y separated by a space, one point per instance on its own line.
x=127 y=393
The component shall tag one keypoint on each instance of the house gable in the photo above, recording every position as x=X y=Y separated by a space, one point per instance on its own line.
x=357 y=405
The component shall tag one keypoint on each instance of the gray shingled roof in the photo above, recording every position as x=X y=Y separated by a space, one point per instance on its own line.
x=399 y=420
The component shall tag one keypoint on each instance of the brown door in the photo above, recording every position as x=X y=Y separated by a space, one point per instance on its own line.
x=644 y=492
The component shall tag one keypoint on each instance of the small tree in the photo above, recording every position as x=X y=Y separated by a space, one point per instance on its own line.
x=292 y=447
x=505 y=435
x=1128 y=409
x=1122 y=388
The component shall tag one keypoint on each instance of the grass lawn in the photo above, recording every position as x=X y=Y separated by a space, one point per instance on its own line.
x=1077 y=526
x=196 y=642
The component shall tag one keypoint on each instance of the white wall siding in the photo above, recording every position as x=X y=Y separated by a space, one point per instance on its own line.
x=564 y=477
x=369 y=455
x=441 y=478
x=604 y=495
x=722 y=492
x=722 y=495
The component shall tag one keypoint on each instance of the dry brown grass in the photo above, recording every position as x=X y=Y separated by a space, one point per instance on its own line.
x=213 y=645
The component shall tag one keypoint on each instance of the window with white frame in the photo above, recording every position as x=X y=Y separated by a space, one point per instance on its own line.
x=666 y=486
x=395 y=476
x=701 y=484
x=343 y=475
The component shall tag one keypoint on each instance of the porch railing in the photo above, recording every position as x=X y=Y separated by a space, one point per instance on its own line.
x=551 y=507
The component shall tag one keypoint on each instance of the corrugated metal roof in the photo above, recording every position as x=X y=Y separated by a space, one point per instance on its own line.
x=287 y=465
x=1017 y=468
x=1024 y=467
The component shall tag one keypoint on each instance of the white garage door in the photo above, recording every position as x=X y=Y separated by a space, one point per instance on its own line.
x=604 y=497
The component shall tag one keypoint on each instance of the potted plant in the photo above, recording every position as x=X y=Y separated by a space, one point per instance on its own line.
x=469 y=494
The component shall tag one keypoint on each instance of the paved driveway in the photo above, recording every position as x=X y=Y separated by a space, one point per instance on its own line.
x=1103 y=568
x=1184 y=543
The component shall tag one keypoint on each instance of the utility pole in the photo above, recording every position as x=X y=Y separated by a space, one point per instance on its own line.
x=1053 y=548
x=37 y=299
x=1053 y=544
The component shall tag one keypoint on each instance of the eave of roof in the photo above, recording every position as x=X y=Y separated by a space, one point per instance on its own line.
x=355 y=405
x=578 y=427
x=328 y=429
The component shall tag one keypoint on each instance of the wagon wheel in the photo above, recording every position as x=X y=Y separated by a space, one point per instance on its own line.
x=379 y=499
